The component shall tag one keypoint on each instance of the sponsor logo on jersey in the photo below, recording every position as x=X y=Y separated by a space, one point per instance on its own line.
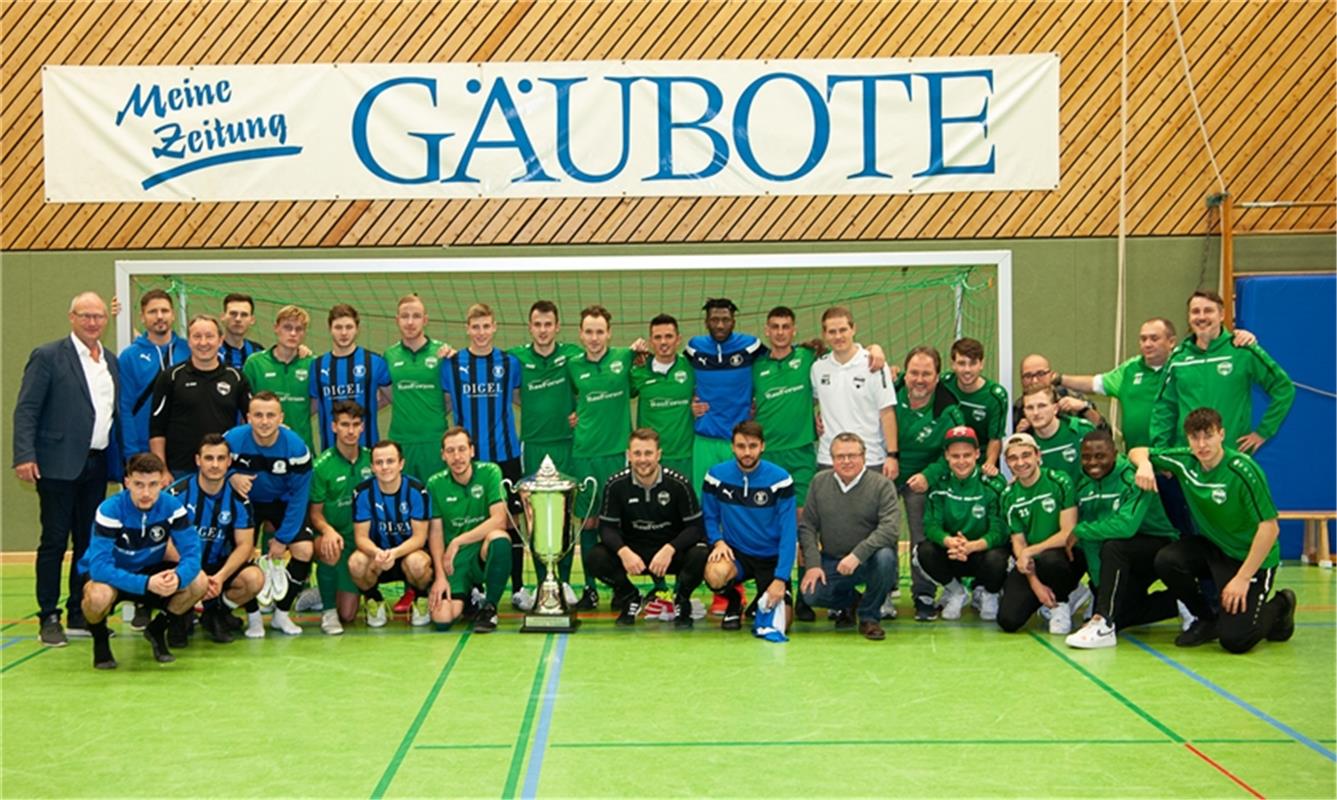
x=431 y=362
x=977 y=511
x=191 y=384
x=615 y=367
x=859 y=381
x=366 y=472
x=1115 y=507
x=1225 y=368
x=764 y=373
x=1048 y=505
x=794 y=363
x=415 y=386
x=146 y=356
x=224 y=388
x=548 y=383
x=599 y=397
x=667 y=402
x=825 y=380
x=403 y=507
x=1137 y=379
x=978 y=413
x=476 y=491
x=271 y=374
x=663 y=498
x=397 y=364
x=1219 y=495
x=781 y=391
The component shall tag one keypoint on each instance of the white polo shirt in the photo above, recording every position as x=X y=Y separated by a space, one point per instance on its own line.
x=851 y=400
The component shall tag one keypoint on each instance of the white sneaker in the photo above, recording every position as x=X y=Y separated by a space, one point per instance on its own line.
x=419 y=615
x=888 y=610
x=698 y=609
x=308 y=600
x=128 y=612
x=522 y=600
x=896 y=594
x=329 y=622
x=375 y=613
x=282 y=622
x=988 y=606
x=255 y=625
x=1079 y=597
x=569 y=595
x=1095 y=634
x=1186 y=618
x=954 y=599
x=1045 y=613
x=1060 y=620
x=976 y=595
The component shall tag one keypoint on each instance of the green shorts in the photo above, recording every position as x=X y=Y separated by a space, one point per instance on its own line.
x=344 y=582
x=706 y=453
x=533 y=453
x=422 y=460
x=599 y=468
x=800 y=463
x=470 y=570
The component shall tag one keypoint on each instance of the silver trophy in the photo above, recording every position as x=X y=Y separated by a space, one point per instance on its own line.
x=549 y=518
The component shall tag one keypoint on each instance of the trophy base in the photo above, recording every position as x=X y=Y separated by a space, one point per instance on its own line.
x=550 y=623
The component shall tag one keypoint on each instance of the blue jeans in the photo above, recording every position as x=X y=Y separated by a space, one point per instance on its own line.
x=879 y=573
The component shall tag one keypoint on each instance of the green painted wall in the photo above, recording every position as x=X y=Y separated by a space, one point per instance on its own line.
x=1062 y=296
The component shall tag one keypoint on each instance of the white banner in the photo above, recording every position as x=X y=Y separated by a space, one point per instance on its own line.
x=551 y=129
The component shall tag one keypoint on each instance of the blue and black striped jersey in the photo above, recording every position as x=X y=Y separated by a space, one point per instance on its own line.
x=217 y=518
x=480 y=389
x=391 y=515
x=235 y=357
x=356 y=376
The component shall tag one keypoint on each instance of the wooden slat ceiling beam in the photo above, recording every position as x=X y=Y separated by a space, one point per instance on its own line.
x=1270 y=143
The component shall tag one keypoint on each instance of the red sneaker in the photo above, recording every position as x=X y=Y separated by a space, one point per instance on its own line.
x=406 y=602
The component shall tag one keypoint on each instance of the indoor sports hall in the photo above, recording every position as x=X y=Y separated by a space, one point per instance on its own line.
x=1043 y=180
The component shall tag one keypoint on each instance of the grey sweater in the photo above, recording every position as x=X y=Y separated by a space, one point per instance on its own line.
x=860 y=521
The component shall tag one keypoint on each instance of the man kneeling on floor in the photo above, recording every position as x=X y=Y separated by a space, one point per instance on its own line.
x=390 y=518
x=468 y=537
x=848 y=533
x=126 y=559
x=1232 y=507
x=222 y=517
x=650 y=523
x=748 y=505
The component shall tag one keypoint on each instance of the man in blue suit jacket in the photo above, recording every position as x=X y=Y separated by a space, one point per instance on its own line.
x=66 y=440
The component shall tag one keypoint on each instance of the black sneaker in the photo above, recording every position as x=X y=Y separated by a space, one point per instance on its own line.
x=682 y=614
x=844 y=620
x=630 y=609
x=589 y=599
x=925 y=612
x=1201 y=631
x=1284 y=628
x=76 y=627
x=156 y=634
x=216 y=627
x=178 y=630
x=802 y=611
x=751 y=611
x=733 y=612
x=231 y=622
x=141 y=620
x=486 y=619
x=51 y=634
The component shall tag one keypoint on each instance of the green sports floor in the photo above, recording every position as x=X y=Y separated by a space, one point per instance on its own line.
x=937 y=710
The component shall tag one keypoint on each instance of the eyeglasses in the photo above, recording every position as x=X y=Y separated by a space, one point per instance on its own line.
x=847 y=456
x=91 y=317
x=1034 y=376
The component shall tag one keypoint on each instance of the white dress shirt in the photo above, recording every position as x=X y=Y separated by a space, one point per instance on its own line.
x=101 y=388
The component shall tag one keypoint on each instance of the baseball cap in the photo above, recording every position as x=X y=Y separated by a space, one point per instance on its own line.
x=961 y=433
x=1020 y=438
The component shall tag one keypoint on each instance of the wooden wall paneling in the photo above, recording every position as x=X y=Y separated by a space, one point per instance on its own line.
x=514 y=14
x=47 y=26
x=1254 y=163
x=12 y=17
x=1172 y=152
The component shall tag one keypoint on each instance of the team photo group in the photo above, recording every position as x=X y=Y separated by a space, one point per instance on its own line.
x=250 y=472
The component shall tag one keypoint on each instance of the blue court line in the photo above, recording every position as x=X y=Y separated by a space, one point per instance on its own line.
x=13 y=640
x=540 y=745
x=1257 y=712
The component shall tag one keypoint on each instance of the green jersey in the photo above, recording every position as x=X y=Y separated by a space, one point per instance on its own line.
x=546 y=402
x=972 y=507
x=1221 y=377
x=1063 y=450
x=265 y=373
x=603 y=403
x=461 y=507
x=920 y=431
x=1115 y=508
x=985 y=409
x=1227 y=502
x=782 y=394
x=1033 y=511
x=419 y=405
x=333 y=480
x=1136 y=386
x=664 y=403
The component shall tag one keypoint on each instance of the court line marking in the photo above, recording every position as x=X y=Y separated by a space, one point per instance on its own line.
x=1254 y=710
x=13 y=640
x=540 y=745
x=412 y=732
x=1110 y=690
x=887 y=743
x=527 y=723
x=508 y=747
x=19 y=621
x=29 y=657
x=1224 y=771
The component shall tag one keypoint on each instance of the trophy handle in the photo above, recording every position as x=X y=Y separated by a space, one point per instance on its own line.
x=523 y=530
x=589 y=510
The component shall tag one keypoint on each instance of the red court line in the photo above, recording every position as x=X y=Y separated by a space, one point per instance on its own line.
x=1224 y=771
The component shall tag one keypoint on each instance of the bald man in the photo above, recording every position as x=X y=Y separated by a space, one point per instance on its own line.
x=66 y=442
x=1035 y=371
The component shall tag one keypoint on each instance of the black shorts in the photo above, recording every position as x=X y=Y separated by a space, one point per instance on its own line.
x=761 y=570
x=149 y=599
x=227 y=584
x=273 y=513
x=395 y=574
x=513 y=470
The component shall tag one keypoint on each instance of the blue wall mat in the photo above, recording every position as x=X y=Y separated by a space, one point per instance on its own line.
x=1295 y=317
